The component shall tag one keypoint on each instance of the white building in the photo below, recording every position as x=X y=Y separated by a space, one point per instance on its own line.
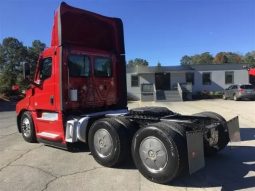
x=175 y=83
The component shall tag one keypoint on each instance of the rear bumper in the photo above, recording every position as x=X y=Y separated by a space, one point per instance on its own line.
x=246 y=95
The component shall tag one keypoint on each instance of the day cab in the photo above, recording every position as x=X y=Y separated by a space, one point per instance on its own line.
x=79 y=95
x=82 y=72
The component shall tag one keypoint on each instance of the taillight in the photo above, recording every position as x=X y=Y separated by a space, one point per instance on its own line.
x=241 y=90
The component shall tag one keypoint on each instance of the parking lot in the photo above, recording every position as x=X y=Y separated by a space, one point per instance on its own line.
x=25 y=166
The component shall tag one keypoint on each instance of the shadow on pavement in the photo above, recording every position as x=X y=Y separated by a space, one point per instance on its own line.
x=82 y=147
x=229 y=169
x=7 y=105
x=247 y=134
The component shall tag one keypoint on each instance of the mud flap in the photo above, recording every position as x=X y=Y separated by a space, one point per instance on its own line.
x=195 y=147
x=234 y=130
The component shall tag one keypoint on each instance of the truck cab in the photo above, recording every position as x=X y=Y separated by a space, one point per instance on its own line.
x=82 y=72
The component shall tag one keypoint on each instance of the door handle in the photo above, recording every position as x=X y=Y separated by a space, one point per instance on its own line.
x=51 y=100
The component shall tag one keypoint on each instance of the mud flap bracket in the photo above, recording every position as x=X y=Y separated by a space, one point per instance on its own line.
x=195 y=147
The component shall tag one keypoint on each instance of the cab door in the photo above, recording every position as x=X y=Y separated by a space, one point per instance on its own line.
x=48 y=120
x=44 y=93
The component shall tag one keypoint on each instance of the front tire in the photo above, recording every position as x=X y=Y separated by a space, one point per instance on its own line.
x=27 y=127
x=159 y=152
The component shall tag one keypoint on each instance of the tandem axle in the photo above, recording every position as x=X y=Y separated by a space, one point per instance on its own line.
x=204 y=132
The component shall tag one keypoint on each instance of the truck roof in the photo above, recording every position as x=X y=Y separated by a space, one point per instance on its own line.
x=78 y=27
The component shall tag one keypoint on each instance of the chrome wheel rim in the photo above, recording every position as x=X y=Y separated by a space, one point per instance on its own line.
x=26 y=127
x=153 y=154
x=103 y=143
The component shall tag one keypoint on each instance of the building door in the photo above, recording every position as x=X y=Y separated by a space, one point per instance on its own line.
x=162 y=81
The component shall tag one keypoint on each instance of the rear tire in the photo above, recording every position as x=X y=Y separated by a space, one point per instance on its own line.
x=108 y=142
x=27 y=127
x=223 y=138
x=159 y=152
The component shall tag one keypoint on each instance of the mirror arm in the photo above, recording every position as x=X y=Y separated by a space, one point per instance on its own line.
x=35 y=84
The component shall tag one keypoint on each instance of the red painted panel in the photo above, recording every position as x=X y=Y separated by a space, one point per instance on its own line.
x=252 y=71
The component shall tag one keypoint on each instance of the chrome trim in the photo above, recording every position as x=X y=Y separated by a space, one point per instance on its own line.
x=71 y=134
x=82 y=124
x=49 y=116
x=82 y=128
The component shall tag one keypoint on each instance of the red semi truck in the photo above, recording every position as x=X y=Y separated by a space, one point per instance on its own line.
x=79 y=94
x=251 y=72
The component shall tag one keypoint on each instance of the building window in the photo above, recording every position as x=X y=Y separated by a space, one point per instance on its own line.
x=229 y=77
x=206 y=78
x=190 y=77
x=147 y=88
x=134 y=81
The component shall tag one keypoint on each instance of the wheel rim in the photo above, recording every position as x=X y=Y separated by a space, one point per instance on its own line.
x=103 y=143
x=153 y=154
x=26 y=127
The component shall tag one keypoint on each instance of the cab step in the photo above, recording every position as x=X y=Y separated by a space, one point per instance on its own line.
x=49 y=136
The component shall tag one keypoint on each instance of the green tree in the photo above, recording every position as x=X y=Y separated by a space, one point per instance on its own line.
x=33 y=53
x=138 y=62
x=234 y=58
x=204 y=58
x=220 y=58
x=249 y=58
x=12 y=53
x=186 y=60
x=227 y=58
x=158 y=64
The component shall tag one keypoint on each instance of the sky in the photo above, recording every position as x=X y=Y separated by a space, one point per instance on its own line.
x=156 y=30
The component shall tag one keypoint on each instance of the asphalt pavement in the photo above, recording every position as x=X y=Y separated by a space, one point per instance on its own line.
x=25 y=166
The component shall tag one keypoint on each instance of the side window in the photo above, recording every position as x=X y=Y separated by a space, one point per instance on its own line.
x=78 y=66
x=45 y=68
x=230 y=87
x=103 y=67
x=229 y=77
x=206 y=78
x=234 y=87
x=190 y=77
x=134 y=81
